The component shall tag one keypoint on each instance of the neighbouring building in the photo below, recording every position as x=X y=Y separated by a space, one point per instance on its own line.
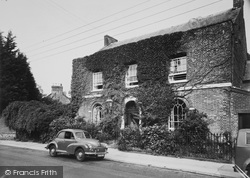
x=58 y=94
x=205 y=61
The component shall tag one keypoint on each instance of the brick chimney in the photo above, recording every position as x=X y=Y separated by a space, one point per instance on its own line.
x=108 y=40
x=238 y=3
x=56 y=88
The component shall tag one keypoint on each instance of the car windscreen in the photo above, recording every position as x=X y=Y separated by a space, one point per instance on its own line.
x=80 y=135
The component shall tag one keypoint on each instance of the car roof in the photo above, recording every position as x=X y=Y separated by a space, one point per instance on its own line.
x=73 y=130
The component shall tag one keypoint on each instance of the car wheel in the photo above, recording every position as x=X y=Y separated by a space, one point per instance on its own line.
x=80 y=154
x=247 y=171
x=52 y=151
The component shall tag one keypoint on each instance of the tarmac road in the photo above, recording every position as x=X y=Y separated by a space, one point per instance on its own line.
x=13 y=156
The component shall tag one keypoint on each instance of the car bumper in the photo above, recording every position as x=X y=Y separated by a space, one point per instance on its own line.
x=96 y=153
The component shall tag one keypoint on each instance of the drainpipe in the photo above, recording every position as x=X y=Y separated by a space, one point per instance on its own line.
x=230 y=116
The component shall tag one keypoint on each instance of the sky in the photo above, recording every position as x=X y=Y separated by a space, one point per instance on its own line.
x=51 y=33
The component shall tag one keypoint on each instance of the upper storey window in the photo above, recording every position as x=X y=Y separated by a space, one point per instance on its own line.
x=131 y=76
x=178 y=70
x=97 y=81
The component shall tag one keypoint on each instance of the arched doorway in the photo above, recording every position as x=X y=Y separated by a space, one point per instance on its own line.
x=131 y=114
x=97 y=114
x=178 y=114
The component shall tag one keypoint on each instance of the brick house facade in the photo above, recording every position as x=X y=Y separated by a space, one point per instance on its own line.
x=204 y=61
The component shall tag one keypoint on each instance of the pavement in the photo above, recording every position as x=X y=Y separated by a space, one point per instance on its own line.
x=171 y=163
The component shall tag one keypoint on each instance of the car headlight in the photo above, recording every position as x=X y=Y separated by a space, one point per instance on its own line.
x=89 y=146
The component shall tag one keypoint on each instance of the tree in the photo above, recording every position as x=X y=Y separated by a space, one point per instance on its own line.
x=31 y=119
x=16 y=80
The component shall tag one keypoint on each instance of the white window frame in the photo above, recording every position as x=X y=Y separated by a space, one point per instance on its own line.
x=131 y=76
x=178 y=68
x=97 y=81
x=97 y=114
x=176 y=117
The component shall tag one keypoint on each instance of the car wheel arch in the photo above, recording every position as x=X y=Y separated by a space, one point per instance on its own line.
x=53 y=144
x=246 y=164
x=82 y=147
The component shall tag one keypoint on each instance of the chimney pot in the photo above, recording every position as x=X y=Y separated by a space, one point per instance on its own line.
x=108 y=40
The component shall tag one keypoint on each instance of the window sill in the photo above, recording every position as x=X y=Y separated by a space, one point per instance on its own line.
x=97 y=90
x=132 y=86
x=171 y=129
x=93 y=96
x=179 y=81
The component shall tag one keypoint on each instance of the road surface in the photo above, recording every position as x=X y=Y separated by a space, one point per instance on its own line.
x=91 y=168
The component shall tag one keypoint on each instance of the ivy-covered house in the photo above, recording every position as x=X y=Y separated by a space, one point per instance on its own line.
x=201 y=64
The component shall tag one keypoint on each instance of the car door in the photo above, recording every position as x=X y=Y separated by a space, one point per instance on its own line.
x=68 y=139
x=242 y=150
x=60 y=140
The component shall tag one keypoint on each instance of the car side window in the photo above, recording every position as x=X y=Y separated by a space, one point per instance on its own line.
x=61 y=135
x=247 y=137
x=69 y=135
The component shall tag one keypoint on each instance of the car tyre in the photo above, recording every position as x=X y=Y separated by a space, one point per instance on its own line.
x=52 y=151
x=247 y=171
x=80 y=154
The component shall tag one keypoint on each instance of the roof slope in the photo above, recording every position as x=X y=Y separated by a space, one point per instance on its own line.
x=60 y=97
x=194 y=23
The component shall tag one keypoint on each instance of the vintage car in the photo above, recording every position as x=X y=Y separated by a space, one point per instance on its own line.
x=242 y=152
x=76 y=142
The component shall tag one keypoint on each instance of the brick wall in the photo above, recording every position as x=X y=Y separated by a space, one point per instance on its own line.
x=222 y=106
x=214 y=102
x=209 y=54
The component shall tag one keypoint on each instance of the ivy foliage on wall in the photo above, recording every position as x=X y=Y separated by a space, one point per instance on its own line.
x=79 y=84
x=152 y=57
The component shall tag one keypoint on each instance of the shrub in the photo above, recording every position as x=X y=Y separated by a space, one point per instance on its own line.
x=111 y=126
x=158 y=139
x=103 y=137
x=130 y=138
x=194 y=129
x=190 y=137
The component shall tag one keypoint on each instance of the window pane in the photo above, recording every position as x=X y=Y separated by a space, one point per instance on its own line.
x=97 y=114
x=177 y=114
x=61 y=135
x=80 y=135
x=97 y=81
x=68 y=135
x=247 y=138
x=131 y=75
x=178 y=69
